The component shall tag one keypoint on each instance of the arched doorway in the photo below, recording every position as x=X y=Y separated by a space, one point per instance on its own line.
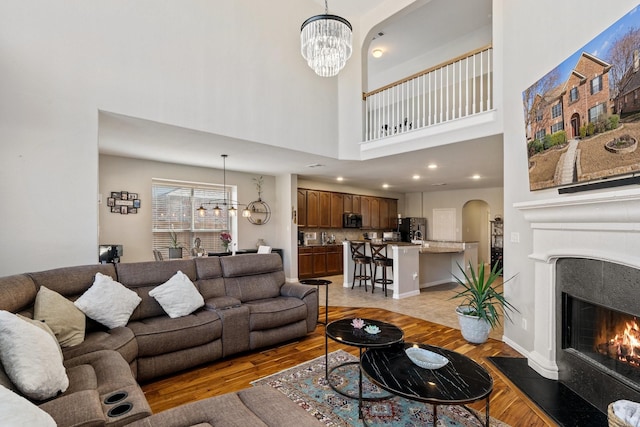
x=575 y=125
x=475 y=227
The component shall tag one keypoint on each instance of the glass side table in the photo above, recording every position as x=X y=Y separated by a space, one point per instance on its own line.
x=317 y=283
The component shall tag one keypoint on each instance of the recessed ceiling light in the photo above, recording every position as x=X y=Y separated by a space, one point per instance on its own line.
x=432 y=166
x=476 y=176
x=339 y=178
x=376 y=53
x=416 y=176
x=385 y=185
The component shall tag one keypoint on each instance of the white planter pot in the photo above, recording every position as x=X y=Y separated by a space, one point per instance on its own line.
x=474 y=329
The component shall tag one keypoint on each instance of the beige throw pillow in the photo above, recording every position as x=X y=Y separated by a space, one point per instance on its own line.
x=65 y=319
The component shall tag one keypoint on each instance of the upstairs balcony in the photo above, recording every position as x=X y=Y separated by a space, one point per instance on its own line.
x=456 y=89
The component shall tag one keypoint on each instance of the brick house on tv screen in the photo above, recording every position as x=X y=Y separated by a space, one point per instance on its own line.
x=583 y=98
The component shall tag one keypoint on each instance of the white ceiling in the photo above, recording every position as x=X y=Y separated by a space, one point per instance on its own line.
x=130 y=137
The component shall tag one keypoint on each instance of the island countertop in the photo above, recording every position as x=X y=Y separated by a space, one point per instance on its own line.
x=430 y=250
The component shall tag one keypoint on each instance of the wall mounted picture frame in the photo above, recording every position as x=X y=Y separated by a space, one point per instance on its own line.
x=123 y=202
x=582 y=119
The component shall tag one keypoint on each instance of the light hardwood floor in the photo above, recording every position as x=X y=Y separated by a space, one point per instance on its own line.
x=507 y=402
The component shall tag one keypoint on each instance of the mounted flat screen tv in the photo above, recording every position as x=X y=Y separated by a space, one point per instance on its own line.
x=582 y=119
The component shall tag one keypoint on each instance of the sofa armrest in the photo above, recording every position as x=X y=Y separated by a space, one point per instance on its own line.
x=222 y=303
x=296 y=290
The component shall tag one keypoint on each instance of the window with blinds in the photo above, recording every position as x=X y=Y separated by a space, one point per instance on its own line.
x=175 y=207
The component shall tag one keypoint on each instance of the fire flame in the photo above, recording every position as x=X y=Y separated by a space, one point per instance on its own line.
x=627 y=343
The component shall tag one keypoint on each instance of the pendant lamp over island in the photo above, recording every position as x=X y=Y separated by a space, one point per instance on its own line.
x=326 y=43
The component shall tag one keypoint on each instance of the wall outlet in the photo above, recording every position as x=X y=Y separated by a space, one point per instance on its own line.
x=515 y=237
x=524 y=323
x=415 y=276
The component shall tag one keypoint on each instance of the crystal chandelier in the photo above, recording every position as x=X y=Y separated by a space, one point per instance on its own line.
x=326 y=43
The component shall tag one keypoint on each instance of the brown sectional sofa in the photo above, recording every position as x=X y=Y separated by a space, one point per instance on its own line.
x=248 y=305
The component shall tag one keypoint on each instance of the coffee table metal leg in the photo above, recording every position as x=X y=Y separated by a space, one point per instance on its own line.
x=486 y=413
x=435 y=415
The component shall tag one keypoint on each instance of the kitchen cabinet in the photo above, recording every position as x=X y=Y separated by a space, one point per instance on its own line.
x=324 y=209
x=365 y=211
x=305 y=262
x=302 y=208
x=384 y=214
x=319 y=261
x=393 y=214
x=337 y=209
x=313 y=208
x=334 y=260
x=374 y=211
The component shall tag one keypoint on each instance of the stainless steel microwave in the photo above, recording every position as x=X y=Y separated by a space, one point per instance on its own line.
x=351 y=220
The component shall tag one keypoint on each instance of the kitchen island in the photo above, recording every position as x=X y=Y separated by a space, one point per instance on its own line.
x=420 y=264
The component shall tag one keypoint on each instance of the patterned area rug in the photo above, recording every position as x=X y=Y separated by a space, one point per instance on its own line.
x=306 y=385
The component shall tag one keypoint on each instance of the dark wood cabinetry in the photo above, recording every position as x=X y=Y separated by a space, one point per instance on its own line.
x=319 y=261
x=324 y=212
x=313 y=208
x=302 y=208
x=305 y=262
x=337 y=209
x=324 y=209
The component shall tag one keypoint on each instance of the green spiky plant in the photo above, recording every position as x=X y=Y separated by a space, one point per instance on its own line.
x=480 y=294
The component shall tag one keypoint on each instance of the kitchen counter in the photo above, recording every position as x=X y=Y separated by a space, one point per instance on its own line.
x=430 y=250
x=419 y=264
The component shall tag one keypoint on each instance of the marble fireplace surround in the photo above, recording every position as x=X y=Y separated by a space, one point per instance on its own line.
x=601 y=226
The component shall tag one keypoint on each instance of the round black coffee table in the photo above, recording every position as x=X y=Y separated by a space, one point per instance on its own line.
x=342 y=331
x=460 y=381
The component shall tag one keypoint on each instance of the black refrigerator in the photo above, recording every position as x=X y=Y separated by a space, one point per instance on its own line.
x=412 y=228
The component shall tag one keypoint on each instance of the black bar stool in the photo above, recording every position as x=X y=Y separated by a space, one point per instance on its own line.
x=360 y=260
x=380 y=259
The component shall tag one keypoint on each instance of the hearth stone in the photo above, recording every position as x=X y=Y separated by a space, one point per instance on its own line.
x=610 y=285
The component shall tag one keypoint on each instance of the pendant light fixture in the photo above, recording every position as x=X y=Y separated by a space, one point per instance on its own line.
x=326 y=42
x=231 y=209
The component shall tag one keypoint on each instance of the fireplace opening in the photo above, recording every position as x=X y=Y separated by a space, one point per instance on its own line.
x=605 y=336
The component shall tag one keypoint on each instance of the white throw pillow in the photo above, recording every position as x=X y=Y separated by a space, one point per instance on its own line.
x=178 y=296
x=31 y=358
x=16 y=411
x=108 y=302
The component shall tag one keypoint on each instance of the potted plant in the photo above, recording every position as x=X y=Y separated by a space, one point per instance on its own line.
x=481 y=300
x=175 y=247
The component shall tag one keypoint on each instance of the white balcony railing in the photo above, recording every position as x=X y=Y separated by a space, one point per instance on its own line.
x=458 y=88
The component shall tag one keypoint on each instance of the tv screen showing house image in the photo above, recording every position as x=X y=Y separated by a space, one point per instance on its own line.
x=582 y=119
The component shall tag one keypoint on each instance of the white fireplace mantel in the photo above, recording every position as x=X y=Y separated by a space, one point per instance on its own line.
x=601 y=226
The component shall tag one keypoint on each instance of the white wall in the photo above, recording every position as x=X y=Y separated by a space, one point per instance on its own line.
x=231 y=68
x=452 y=199
x=530 y=42
x=134 y=231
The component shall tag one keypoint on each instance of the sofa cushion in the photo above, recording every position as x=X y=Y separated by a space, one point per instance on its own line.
x=210 y=282
x=178 y=296
x=250 y=264
x=275 y=312
x=65 y=319
x=71 y=282
x=31 y=358
x=108 y=302
x=142 y=277
x=120 y=339
x=16 y=411
x=16 y=292
x=160 y=335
